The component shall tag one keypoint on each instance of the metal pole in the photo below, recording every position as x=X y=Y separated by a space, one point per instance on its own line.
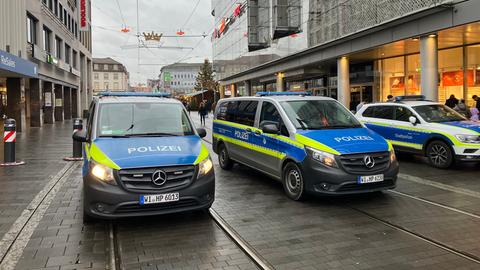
x=9 y=139
x=77 y=146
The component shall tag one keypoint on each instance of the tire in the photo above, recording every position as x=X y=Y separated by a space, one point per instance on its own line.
x=293 y=183
x=223 y=158
x=439 y=155
x=87 y=219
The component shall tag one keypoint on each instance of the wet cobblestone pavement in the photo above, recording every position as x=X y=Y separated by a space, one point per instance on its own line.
x=430 y=221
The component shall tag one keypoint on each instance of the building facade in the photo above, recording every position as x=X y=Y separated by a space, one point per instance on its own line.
x=367 y=49
x=179 y=78
x=109 y=75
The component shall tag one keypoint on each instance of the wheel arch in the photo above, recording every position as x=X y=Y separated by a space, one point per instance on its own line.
x=437 y=137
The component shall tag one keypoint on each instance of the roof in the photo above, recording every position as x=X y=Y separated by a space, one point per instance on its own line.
x=280 y=98
x=107 y=60
x=183 y=65
x=406 y=102
x=116 y=99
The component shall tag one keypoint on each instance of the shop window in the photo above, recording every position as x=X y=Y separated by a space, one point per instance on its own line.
x=392 y=77
x=413 y=79
x=473 y=60
x=450 y=65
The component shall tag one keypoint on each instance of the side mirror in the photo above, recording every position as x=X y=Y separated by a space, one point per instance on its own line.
x=270 y=129
x=201 y=132
x=413 y=120
x=80 y=136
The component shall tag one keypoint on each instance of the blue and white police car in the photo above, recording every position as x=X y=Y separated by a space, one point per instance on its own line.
x=413 y=124
x=311 y=144
x=142 y=156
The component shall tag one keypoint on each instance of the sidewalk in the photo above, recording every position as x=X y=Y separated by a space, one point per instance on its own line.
x=43 y=150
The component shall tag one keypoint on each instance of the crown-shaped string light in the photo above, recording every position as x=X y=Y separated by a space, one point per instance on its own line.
x=152 y=36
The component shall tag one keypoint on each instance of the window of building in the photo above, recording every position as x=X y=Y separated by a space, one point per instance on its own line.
x=105 y=67
x=105 y=86
x=105 y=76
x=115 y=67
x=46 y=40
x=115 y=76
x=31 y=29
x=95 y=66
x=76 y=30
x=74 y=58
x=67 y=53
x=55 y=7
x=58 y=48
x=473 y=60
x=60 y=11
x=69 y=22
x=96 y=85
x=95 y=75
x=115 y=86
x=65 y=17
x=44 y=2
x=50 y=5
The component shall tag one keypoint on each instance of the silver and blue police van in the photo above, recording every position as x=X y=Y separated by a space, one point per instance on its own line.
x=415 y=125
x=143 y=156
x=313 y=145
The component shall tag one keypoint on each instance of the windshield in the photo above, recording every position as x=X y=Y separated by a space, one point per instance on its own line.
x=319 y=114
x=143 y=119
x=438 y=113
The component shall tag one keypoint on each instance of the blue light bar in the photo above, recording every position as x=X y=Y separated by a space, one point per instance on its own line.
x=132 y=94
x=410 y=98
x=263 y=94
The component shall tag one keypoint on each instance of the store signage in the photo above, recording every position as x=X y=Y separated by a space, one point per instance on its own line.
x=83 y=16
x=17 y=65
x=52 y=60
x=167 y=76
x=225 y=23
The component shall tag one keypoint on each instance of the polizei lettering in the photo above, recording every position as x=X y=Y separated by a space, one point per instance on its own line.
x=158 y=148
x=241 y=135
x=353 y=138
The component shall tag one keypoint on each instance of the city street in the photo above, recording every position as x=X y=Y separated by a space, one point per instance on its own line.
x=429 y=222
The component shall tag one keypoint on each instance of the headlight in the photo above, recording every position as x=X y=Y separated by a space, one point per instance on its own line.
x=392 y=155
x=204 y=167
x=323 y=157
x=468 y=138
x=102 y=172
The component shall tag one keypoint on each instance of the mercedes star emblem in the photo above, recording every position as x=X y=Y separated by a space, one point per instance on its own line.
x=159 y=177
x=369 y=162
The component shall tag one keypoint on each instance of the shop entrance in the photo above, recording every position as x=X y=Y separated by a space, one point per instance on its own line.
x=360 y=93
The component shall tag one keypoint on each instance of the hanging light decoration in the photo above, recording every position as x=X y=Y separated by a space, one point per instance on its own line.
x=125 y=30
x=180 y=33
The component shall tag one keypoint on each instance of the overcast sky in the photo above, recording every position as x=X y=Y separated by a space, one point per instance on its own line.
x=160 y=16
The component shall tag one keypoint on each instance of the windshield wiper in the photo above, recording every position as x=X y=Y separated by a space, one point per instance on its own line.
x=153 y=134
x=113 y=136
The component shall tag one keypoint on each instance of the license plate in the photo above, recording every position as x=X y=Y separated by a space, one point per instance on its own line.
x=370 y=179
x=159 y=198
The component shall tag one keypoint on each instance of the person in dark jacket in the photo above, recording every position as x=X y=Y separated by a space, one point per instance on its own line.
x=452 y=102
x=202 y=110
x=477 y=102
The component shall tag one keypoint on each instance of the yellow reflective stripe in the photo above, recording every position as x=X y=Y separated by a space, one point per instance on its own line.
x=87 y=151
x=203 y=154
x=101 y=158
x=315 y=144
x=411 y=145
x=251 y=146
x=390 y=146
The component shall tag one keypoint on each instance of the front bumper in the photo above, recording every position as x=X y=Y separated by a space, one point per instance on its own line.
x=107 y=201
x=320 y=179
x=466 y=154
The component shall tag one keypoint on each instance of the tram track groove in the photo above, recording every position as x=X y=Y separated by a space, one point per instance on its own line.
x=423 y=238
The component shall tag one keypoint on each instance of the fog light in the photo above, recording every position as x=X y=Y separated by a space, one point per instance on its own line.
x=100 y=207
x=325 y=186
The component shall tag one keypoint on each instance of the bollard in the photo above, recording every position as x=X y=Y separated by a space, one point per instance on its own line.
x=9 y=139
x=77 y=146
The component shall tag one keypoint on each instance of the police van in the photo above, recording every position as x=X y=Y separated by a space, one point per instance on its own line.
x=311 y=144
x=415 y=125
x=142 y=156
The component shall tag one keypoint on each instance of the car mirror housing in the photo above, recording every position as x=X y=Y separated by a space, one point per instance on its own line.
x=413 y=120
x=202 y=132
x=270 y=129
x=80 y=136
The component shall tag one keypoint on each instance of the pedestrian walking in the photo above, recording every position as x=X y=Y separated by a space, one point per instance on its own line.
x=462 y=108
x=474 y=112
x=189 y=108
x=202 y=110
x=477 y=102
x=452 y=101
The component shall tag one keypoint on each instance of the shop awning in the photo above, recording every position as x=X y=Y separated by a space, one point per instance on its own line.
x=14 y=66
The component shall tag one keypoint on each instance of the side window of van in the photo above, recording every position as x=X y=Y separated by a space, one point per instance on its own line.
x=231 y=113
x=222 y=111
x=246 y=112
x=270 y=115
